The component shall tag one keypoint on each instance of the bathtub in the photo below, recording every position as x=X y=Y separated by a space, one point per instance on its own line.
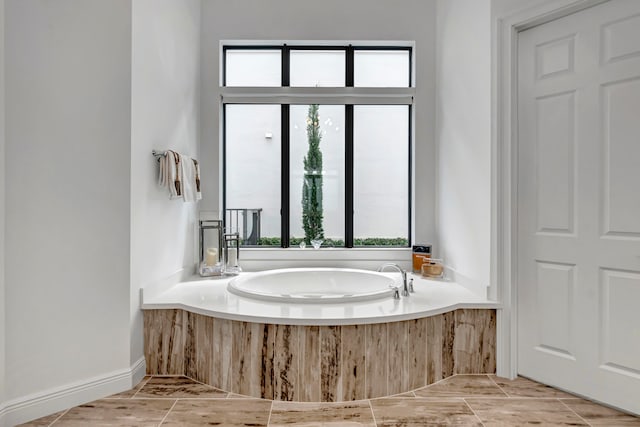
x=314 y=285
x=317 y=334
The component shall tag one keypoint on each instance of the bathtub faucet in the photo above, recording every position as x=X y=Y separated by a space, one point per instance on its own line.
x=405 y=288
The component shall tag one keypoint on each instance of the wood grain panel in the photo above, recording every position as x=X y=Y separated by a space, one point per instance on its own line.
x=474 y=342
x=319 y=363
x=417 y=349
x=353 y=363
x=376 y=360
x=398 y=358
x=309 y=364
x=286 y=363
x=330 y=351
x=221 y=367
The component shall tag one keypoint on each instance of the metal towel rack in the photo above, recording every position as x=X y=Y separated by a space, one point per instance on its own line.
x=158 y=154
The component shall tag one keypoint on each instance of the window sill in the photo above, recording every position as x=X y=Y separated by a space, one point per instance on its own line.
x=257 y=259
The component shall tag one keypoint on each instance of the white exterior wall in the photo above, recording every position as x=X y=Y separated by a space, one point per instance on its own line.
x=285 y=20
x=464 y=139
x=253 y=168
x=68 y=97
x=164 y=115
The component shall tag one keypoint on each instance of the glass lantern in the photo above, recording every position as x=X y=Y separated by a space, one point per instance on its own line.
x=211 y=261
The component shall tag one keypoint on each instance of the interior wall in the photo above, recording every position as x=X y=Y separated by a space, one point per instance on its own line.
x=165 y=115
x=282 y=20
x=464 y=139
x=68 y=113
x=2 y=210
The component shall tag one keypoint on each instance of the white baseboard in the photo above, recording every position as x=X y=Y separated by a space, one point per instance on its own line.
x=40 y=404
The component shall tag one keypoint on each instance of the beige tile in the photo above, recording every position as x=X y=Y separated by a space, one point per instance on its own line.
x=474 y=342
x=330 y=351
x=376 y=360
x=310 y=363
x=598 y=415
x=129 y=393
x=353 y=363
x=286 y=363
x=178 y=387
x=164 y=341
x=44 y=421
x=422 y=412
x=440 y=339
x=345 y=414
x=229 y=413
x=238 y=396
x=253 y=351
x=462 y=386
x=515 y=411
x=408 y=395
x=417 y=344
x=523 y=387
x=221 y=366
x=117 y=412
x=198 y=350
x=398 y=358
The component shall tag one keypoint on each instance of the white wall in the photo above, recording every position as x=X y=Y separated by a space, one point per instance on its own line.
x=2 y=210
x=324 y=20
x=502 y=8
x=464 y=139
x=68 y=112
x=165 y=115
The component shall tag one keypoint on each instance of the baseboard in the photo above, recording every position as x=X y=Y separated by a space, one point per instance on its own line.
x=40 y=404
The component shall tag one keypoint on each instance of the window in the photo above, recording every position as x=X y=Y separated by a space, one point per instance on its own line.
x=317 y=143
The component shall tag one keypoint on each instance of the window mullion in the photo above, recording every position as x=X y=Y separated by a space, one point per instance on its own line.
x=284 y=177
x=348 y=177
x=285 y=156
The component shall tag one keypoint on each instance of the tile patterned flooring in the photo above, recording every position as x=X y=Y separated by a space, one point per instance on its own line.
x=461 y=400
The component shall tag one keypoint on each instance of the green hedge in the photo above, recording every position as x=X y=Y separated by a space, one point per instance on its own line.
x=369 y=241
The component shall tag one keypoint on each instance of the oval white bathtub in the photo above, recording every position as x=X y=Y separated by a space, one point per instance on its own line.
x=313 y=285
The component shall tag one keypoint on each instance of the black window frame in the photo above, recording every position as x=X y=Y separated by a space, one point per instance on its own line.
x=285 y=189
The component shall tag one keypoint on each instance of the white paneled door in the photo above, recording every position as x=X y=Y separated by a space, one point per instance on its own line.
x=579 y=203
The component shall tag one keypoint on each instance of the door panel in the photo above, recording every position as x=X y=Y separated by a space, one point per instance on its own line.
x=621 y=108
x=578 y=224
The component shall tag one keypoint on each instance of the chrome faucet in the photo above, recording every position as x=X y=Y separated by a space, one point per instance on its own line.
x=405 y=288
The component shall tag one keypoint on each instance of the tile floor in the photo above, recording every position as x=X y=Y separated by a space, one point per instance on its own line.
x=461 y=400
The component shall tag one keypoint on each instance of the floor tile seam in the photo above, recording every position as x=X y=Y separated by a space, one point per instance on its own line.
x=60 y=416
x=498 y=385
x=208 y=385
x=175 y=398
x=546 y=398
x=571 y=409
x=474 y=412
x=373 y=415
x=270 y=412
x=145 y=383
x=168 y=412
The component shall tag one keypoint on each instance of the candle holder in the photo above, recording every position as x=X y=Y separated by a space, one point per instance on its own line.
x=231 y=253
x=211 y=262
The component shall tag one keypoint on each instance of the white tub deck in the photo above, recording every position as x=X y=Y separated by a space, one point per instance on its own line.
x=210 y=297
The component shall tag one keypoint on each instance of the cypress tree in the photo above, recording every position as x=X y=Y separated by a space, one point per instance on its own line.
x=312 y=185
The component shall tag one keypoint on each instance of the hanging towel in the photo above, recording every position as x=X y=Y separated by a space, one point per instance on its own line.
x=170 y=173
x=189 y=180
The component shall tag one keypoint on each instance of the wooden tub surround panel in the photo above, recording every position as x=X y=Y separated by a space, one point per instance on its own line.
x=319 y=363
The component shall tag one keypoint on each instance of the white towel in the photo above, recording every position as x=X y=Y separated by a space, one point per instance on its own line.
x=190 y=191
x=170 y=172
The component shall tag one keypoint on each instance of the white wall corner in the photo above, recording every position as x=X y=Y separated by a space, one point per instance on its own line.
x=2 y=211
x=57 y=399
